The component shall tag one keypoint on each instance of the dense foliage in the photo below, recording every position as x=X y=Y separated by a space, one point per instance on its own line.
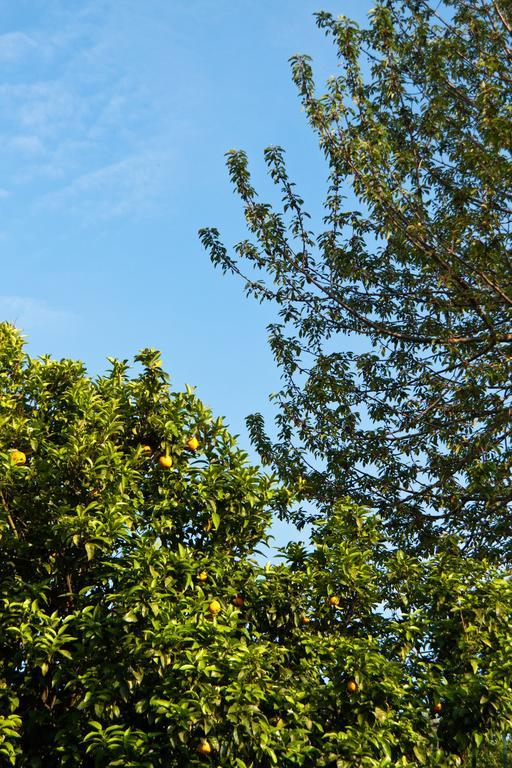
x=395 y=332
x=138 y=627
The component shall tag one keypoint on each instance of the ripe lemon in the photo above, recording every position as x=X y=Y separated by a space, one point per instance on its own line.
x=352 y=686
x=438 y=707
x=193 y=444
x=239 y=601
x=202 y=576
x=305 y=618
x=165 y=462
x=204 y=747
x=18 y=457
x=334 y=601
x=214 y=607
x=146 y=449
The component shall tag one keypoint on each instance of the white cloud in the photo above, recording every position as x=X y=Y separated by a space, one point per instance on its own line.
x=44 y=108
x=26 y=144
x=27 y=312
x=127 y=187
x=15 y=46
x=86 y=127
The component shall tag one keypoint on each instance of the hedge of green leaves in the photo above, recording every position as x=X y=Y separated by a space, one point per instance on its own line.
x=138 y=627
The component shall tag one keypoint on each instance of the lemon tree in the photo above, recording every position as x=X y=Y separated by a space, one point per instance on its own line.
x=139 y=628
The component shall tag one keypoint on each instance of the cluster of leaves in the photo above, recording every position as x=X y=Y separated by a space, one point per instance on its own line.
x=496 y=754
x=138 y=628
x=414 y=418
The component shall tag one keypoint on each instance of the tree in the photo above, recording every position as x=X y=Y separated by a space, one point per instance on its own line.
x=138 y=628
x=394 y=336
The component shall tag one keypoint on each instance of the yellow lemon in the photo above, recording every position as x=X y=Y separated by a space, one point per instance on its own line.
x=204 y=747
x=214 y=607
x=18 y=457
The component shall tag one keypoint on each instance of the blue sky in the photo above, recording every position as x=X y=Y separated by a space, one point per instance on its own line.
x=115 y=116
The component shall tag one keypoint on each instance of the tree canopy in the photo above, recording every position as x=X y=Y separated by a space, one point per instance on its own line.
x=139 y=627
x=394 y=335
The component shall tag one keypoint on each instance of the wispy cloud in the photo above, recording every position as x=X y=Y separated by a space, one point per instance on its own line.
x=44 y=109
x=84 y=131
x=16 y=46
x=130 y=186
x=30 y=313
x=26 y=144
